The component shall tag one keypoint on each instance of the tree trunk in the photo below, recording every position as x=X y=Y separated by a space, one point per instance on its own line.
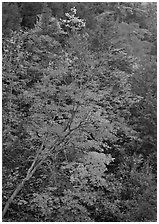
x=30 y=172
x=19 y=187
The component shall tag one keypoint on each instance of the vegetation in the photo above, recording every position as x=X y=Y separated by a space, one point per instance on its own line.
x=79 y=112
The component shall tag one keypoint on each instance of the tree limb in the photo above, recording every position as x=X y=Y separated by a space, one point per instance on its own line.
x=30 y=172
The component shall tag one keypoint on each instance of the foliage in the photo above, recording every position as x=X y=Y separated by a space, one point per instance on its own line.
x=79 y=117
x=10 y=17
x=73 y=22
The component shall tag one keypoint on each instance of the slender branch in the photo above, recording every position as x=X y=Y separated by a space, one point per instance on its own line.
x=73 y=112
x=30 y=172
x=10 y=200
x=37 y=155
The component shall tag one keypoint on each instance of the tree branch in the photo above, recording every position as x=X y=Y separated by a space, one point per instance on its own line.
x=30 y=172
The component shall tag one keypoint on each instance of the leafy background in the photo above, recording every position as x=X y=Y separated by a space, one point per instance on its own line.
x=79 y=112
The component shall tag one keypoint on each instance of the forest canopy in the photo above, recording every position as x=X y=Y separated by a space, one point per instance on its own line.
x=79 y=84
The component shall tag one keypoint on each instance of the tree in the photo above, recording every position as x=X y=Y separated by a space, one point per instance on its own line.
x=70 y=123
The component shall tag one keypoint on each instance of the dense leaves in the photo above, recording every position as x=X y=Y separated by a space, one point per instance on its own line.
x=79 y=112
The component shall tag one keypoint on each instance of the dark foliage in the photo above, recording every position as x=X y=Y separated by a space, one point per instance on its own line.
x=79 y=112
